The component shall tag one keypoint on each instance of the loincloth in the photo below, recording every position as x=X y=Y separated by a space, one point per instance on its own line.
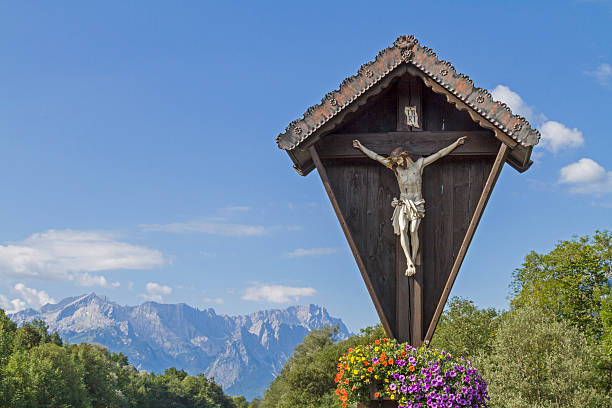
x=406 y=211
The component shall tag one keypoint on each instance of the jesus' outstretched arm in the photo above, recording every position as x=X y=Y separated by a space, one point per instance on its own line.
x=443 y=152
x=372 y=155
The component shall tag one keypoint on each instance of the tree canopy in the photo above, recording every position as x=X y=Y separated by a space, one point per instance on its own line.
x=571 y=282
x=37 y=370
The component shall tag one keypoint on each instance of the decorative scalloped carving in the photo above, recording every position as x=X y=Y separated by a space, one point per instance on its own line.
x=406 y=49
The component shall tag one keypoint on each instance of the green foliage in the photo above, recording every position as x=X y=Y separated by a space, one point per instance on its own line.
x=307 y=378
x=34 y=333
x=7 y=335
x=37 y=371
x=537 y=361
x=45 y=376
x=570 y=282
x=464 y=329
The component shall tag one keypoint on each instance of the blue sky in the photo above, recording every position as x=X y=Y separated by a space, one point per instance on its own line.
x=137 y=153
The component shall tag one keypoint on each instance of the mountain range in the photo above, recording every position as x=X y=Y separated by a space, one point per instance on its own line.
x=242 y=353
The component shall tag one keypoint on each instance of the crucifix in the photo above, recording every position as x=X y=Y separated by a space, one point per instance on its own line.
x=455 y=139
x=410 y=207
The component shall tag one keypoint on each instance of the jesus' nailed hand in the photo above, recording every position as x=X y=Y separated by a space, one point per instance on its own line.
x=410 y=208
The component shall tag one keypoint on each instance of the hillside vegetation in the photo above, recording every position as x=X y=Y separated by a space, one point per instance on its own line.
x=37 y=370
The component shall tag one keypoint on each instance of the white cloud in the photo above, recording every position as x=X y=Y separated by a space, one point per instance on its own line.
x=603 y=73
x=86 y=279
x=555 y=135
x=156 y=292
x=299 y=252
x=59 y=254
x=212 y=227
x=12 y=305
x=276 y=293
x=586 y=176
x=514 y=101
x=27 y=297
x=217 y=301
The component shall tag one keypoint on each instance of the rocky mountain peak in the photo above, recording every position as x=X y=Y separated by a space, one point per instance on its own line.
x=243 y=353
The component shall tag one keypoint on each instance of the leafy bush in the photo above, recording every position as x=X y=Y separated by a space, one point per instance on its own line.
x=539 y=362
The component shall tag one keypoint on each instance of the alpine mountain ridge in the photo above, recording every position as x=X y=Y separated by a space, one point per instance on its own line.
x=242 y=353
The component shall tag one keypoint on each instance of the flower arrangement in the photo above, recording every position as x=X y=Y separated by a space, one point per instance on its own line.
x=414 y=377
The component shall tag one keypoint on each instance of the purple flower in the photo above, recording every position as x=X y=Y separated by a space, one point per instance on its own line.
x=404 y=389
x=395 y=376
x=452 y=373
x=412 y=378
x=375 y=360
x=402 y=378
x=392 y=386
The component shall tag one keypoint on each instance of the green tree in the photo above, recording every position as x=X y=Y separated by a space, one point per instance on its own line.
x=7 y=335
x=45 y=376
x=256 y=403
x=537 y=361
x=240 y=402
x=571 y=282
x=307 y=378
x=464 y=329
x=32 y=334
x=99 y=374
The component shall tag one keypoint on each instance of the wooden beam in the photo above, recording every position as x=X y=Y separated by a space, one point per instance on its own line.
x=403 y=297
x=340 y=145
x=347 y=233
x=416 y=292
x=482 y=202
x=409 y=93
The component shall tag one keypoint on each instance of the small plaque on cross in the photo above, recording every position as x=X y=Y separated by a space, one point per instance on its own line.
x=412 y=119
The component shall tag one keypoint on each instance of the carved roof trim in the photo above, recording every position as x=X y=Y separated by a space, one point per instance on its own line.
x=406 y=49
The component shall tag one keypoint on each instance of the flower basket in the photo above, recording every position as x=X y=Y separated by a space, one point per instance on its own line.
x=388 y=374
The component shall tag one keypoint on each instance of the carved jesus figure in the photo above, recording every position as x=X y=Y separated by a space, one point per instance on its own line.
x=410 y=207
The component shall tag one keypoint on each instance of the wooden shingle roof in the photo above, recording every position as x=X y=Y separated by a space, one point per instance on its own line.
x=439 y=75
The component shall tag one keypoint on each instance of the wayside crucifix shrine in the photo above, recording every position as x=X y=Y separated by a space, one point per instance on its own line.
x=409 y=151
